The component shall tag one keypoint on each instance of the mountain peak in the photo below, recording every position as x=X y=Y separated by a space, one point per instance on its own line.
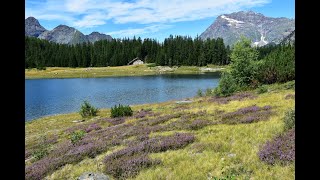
x=31 y=18
x=33 y=27
x=62 y=34
x=255 y=26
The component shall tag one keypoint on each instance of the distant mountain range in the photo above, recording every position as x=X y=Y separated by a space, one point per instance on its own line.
x=61 y=34
x=260 y=29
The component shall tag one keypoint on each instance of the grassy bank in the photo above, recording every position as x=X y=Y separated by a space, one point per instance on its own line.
x=219 y=148
x=134 y=70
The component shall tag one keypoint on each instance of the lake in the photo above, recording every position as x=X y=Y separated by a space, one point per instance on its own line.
x=45 y=97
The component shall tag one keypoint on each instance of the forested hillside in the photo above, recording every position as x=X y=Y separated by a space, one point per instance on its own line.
x=174 y=51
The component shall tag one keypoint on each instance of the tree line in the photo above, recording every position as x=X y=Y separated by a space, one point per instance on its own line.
x=253 y=67
x=173 y=51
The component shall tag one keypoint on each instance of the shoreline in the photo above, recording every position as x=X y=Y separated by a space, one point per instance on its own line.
x=119 y=71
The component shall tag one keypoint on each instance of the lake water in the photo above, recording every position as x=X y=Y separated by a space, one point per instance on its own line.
x=45 y=97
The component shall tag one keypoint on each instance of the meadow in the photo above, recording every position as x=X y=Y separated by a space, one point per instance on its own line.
x=209 y=138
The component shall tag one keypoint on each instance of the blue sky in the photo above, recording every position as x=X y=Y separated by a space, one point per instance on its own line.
x=147 y=18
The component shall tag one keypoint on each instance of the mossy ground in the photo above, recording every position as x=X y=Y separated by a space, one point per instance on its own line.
x=133 y=70
x=218 y=151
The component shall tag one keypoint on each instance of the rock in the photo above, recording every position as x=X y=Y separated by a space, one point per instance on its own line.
x=231 y=155
x=61 y=34
x=93 y=176
x=183 y=102
x=64 y=35
x=77 y=121
x=204 y=69
x=95 y=36
x=32 y=27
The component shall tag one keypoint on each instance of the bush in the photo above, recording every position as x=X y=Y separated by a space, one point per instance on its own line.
x=278 y=66
x=77 y=136
x=121 y=111
x=199 y=92
x=41 y=68
x=209 y=92
x=289 y=119
x=151 y=65
x=227 y=85
x=88 y=110
x=43 y=147
x=290 y=85
x=262 y=89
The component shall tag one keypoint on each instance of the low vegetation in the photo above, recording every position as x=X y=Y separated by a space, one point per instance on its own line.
x=132 y=70
x=289 y=119
x=87 y=110
x=247 y=72
x=240 y=136
x=121 y=111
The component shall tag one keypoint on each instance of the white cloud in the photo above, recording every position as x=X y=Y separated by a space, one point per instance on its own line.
x=139 y=31
x=88 y=13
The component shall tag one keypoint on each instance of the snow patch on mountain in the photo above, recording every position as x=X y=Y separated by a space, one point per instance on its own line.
x=232 y=22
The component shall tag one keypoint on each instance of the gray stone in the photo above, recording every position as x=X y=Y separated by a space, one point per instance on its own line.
x=183 y=102
x=95 y=36
x=231 y=155
x=93 y=176
x=32 y=27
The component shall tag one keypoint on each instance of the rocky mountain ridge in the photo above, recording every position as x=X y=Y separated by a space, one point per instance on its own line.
x=255 y=26
x=61 y=34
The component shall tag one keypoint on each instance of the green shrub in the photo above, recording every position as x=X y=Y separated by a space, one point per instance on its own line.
x=278 y=66
x=40 y=153
x=88 y=110
x=262 y=89
x=76 y=136
x=209 y=92
x=199 y=92
x=227 y=85
x=121 y=111
x=42 y=150
x=41 y=68
x=290 y=85
x=151 y=65
x=289 y=119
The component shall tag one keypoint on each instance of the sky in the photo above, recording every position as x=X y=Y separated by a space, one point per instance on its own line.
x=147 y=18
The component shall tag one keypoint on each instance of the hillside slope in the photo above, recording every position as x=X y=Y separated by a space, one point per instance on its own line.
x=210 y=142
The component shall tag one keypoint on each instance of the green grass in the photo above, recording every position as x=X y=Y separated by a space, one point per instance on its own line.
x=134 y=70
x=206 y=158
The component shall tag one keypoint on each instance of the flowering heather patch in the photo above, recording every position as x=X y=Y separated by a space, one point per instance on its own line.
x=41 y=148
x=181 y=107
x=129 y=166
x=27 y=153
x=280 y=150
x=79 y=127
x=182 y=123
x=239 y=97
x=290 y=96
x=98 y=140
x=92 y=127
x=143 y=113
x=128 y=161
x=198 y=124
x=185 y=122
x=162 y=119
x=116 y=121
x=247 y=115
